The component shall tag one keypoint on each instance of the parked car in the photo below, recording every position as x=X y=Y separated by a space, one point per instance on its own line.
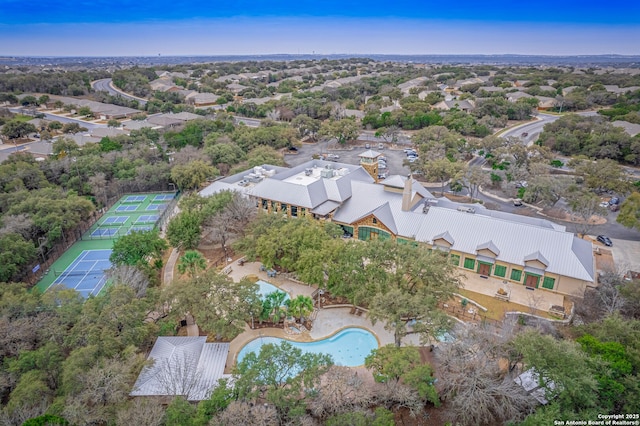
x=408 y=150
x=333 y=156
x=614 y=200
x=367 y=146
x=517 y=202
x=382 y=166
x=382 y=175
x=604 y=204
x=614 y=207
x=380 y=146
x=604 y=240
x=412 y=153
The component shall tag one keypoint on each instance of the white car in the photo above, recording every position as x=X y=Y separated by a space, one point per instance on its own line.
x=604 y=204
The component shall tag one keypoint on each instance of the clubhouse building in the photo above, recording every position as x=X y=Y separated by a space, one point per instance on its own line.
x=519 y=250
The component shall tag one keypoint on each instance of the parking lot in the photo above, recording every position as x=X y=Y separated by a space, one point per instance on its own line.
x=349 y=154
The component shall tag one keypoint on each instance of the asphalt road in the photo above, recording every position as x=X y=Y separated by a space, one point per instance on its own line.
x=105 y=85
x=532 y=130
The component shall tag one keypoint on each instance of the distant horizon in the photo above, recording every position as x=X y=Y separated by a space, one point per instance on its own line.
x=124 y=28
x=355 y=54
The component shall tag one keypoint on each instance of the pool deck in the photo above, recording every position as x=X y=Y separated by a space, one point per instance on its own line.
x=327 y=322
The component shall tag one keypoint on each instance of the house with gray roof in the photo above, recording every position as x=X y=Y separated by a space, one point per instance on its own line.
x=186 y=366
x=531 y=252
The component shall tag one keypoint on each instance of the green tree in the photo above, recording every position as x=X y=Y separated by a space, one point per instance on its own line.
x=301 y=306
x=264 y=155
x=85 y=111
x=280 y=374
x=15 y=254
x=565 y=372
x=135 y=248
x=180 y=412
x=17 y=129
x=344 y=130
x=219 y=306
x=441 y=170
x=391 y=364
x=192 y=175
x=410 y=282
x=184 y=230
x=629 y=215
x=192 y=262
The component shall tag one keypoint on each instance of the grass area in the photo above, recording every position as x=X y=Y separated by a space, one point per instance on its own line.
x=496 y=308
x=22 y=118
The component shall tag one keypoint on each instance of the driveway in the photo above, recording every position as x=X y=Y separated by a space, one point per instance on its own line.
x=626 y=255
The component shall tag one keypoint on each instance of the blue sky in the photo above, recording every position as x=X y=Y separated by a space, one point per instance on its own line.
x=223 y=27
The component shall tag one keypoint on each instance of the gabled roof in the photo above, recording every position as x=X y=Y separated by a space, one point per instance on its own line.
x=565 y=254
x=444 y=236
x=489 y=245
x=537 y=256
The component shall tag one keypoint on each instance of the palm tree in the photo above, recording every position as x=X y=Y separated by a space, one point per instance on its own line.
x=192 y=262
x=301 y=306
x=276 y=300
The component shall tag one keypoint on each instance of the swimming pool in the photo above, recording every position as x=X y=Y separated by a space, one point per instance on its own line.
x=266 y=288
x=348 y=347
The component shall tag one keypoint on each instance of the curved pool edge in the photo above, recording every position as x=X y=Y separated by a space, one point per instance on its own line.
x=279 y=333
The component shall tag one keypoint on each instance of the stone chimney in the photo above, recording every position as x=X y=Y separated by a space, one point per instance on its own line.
x=406 y=194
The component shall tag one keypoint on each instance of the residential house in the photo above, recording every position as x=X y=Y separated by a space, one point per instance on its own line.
x=446 y=105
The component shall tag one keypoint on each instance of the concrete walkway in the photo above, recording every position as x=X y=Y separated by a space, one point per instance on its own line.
x=167 y=277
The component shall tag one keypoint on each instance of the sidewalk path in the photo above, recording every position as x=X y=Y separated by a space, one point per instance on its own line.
x=168 y=268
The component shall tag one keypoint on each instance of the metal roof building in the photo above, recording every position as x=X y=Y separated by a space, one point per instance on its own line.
x=186 y=366
x=527 y=250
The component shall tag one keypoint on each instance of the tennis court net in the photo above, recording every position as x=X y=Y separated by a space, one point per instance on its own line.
x=79 y=273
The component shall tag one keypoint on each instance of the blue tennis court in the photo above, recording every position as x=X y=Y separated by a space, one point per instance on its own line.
x=135 y=199
x=158 y=207
x=140 y=229
x=148 y=218
x=129 y=208
x=115 y=220
x=163 y=197
x=86 y=272
x=104 y=232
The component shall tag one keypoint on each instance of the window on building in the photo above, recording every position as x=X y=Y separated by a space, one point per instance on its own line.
x=500 y=271
x=265 y=204
x=548 y=283
x=454 y=259
x=366 y=233
x=469 y=263
x=274 y=206
x=283 y=208
x=294 y=211
x=375 y=221
x=516 y=274
x=303 y=211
